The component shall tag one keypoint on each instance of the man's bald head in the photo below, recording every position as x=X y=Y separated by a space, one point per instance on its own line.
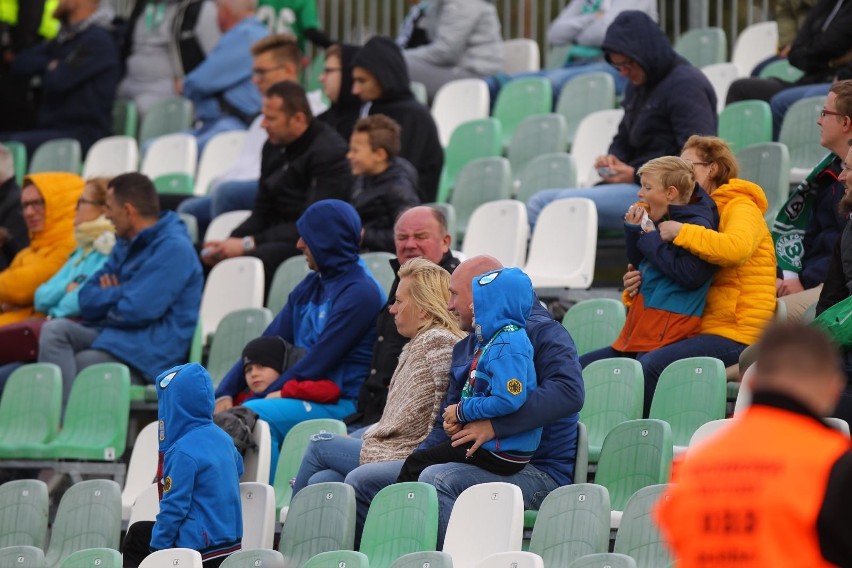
x=421 y=232
x=461 y=295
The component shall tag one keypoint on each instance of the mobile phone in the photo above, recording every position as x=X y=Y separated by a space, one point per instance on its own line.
x=605 y=171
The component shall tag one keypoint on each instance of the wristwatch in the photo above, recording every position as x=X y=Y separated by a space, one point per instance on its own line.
x=248 y=244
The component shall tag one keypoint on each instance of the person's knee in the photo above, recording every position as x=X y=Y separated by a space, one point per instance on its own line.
x=56 y=331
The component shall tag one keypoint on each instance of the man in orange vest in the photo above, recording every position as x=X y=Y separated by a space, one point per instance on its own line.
x=773 y=488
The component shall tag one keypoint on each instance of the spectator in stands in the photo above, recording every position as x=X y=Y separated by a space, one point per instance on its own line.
x=331 y=315
x=13 y=229
x=463 y=42
x=296 y=17
x=790 y=16
x=165 y=41
x=141 y=308
x=667 y=101
x=418 y=386
x=47 y=201
x=380 y=79
x=220 y=87
x=385 y=184
x=199 y=483
x=420 y=232
x=808 y=226
x=336 y=79
x=739 y=497
x=79 y=72
x=553 y=405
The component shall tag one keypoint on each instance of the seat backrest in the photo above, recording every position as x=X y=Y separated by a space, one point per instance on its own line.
x=112 y=156
x=556 y=56
x=781 y=69
x=689 y=393
x=744 y=393
x=221 y=226
x=573 y=521
x=191 y=223
x=604 y=560
x=166 y=117
x=594 y=323
x=638 y=536
x=537 y=135
x=635 y=454
x=233 y=332
x=614 y=394
x=703 y=46
x=174 y=184
x=519 y=99
x=546 y=171
x=321 y=519
x=469 y=141
x=142 y=468
x=146 y=506
x=707 y=430
x=584 y=94
x=233 y=284
x=21 y=557
x=592 y=139
x=768 y=165
x=258 y=506
x=744 y=123
x=458 y=102
x=254 y=558
x=58 y=155
x=721 y=75
x=182 y=557
x=287 y=276
x=500 y=229
x=339 y=559
x=425 y=559
x=754 y=44
x=30 y=407
x=799 y=134
x=572 y=220
x=581 y=459
x=171 y=154
x=89 y=516
x=93 y=558
x=218 y=155
x=125 y=117
x=520 y=55
x=497 y=511
x=421 y=95
x=23 y=513
x=480 y=181
x=838 y=424
x=514 y=559
x=258 y=460
x=19 y=159
x=403 y=518
x=380 y=268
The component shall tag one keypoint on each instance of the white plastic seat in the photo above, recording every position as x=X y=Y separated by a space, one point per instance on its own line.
x=112 y=156
x=721 y=75
x=838 y=424
x=497 y=512
x=500 y=229
x=257 y=462
x=754 y=44
x=521 y=55
x=146 y=506
x=171 y=154
x=173 y=557
x=142 y=469
x=457 y=102
x=707 y=430
x=221 y=226
x=258 y=506
x=218 y=155
x=592 y=139
x=744 y=394
x=233 y=284
x=564 y=243
x=515 y=559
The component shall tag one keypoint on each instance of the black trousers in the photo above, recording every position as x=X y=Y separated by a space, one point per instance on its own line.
x=137 y=543
x=446 y=453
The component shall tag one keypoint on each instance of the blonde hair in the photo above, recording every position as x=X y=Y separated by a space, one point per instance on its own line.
x=671 y=171
x=430 y=292
x=99 y=184
x=714 y=150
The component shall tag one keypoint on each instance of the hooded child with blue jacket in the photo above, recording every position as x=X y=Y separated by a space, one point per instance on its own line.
x=501 y=376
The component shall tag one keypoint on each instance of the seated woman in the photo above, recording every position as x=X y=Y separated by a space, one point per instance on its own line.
x=417 y=388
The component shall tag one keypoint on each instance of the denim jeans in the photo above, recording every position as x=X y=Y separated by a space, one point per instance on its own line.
x=782 y=101
x=227 y=196
x=611 y=201
x=328 y=458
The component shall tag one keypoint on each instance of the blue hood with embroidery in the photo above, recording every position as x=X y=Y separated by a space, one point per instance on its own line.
x=500 y=298
x=184 y=402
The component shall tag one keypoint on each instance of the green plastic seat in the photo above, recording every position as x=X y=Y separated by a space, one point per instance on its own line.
x=537 y=135
x=89 y=516
x=403 y=518
x=420 y=93
x=638 y=536
x=380 y=268
x=196 y=349
x=287 y=276
x=426 y=559
x=234 y=331
x=166 y=117
x=583 y=95
x=604 y=560
x=468 y=142
x=481 y=181
x=312 y=72
x=800 y=133
x=19 y=159
x=175 y=184
x=254 y=558
x=594 y=323
x=615 y=390
x=59 y=155
x=292 y=450
x=23 y=513
x=703 y=46
x=546 y=171
x=449 y=216
x=744 y=123
x=30 y=408
x=321 y=519
x=782 y=69
x=22 y=557
x=125 y=117
x=635 y=454
x=768 y=165
x=93 y=558
x=519 y=99
x=690 y=393
x=339 y=559
x=556 y=56
x=191 y=224
x=573 y=521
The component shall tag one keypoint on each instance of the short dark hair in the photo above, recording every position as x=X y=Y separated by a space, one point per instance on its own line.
x=138 y=190
x=383 y=133
x=798 y=349
x=293 y=98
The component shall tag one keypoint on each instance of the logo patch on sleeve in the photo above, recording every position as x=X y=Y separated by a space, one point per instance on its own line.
x=514 y=386
x=167 y=483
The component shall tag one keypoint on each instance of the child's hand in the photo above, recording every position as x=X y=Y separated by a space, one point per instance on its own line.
x=223 y=404
x=450 y=414
x=274 y=394
x=450 y=428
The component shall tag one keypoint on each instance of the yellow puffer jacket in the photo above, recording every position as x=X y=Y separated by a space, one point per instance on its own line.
x=741 y=300
x=49 y=248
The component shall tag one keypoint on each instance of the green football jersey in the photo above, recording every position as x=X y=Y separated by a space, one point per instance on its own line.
x=289 y=17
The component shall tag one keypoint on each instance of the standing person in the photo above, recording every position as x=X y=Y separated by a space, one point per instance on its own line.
x=13 y=229
x=295 y=17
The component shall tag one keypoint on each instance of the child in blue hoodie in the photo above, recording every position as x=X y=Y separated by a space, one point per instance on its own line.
x=501 y=376
x=198 y=475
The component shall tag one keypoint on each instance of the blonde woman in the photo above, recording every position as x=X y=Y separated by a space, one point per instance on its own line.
x=416 y=389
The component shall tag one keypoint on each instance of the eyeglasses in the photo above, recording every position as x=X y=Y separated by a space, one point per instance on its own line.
x=260 y=73
x=625 y=65
x=327 y=70
x=37 y=204
x=823 y=113
x=84 y=201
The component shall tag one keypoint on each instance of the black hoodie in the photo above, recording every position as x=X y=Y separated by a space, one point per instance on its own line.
x=343 y=114
x=420 y=143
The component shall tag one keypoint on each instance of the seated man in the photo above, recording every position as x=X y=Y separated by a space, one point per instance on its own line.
x=13 y=229
x=304 y=161
x=141 y=308
x=336 y=80
x=79 y=73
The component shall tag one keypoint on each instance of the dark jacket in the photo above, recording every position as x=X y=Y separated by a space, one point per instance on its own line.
x=12 y=219
x=420 y=143
x=825 y=35
x=380 y=199
x=838 y=278
x=343 y=114
x=675 y=101
x=311 y=168
x=824 y=227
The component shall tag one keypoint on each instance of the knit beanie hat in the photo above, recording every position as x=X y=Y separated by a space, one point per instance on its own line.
x=267 y=351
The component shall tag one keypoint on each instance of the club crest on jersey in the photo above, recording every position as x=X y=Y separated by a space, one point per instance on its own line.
x=167 y=483
x=514 y=386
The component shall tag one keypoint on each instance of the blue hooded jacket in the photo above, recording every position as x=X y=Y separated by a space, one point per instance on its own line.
x=332 y=313
x=200 y=504
x=504 y=375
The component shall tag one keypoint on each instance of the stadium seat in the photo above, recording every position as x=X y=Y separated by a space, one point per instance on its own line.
x=380 y=268
x=499 y=229
x=801 y=135
x=125 y=118
x=22 y=557
x=838 y=424
x=19 y=159
x=594 y=323
x=520 y=55
x=420 y=93
x=754 y=44
x=174 y=184
x=221 y=226
x=744 y=393
x=426 y=559
x=257 y=461
x=581 y=460
x=254 y=558
x=546 y=171
x=480 y=181
x=537 y=135
x=321 y=519
x=287 y=276
x=703 y=46
x=604 y=560
x=721 y=75
x=614 y=392
x=141 y=469
x=219 y=154
x=89 y=516
x=497 y=511
x=146 y=506
x=515 y=559
x=458 y=102
x=592 y=139
x=112 y=156
x=768 y=165
x=549 y=264
x=468 y=142
x=258 y=506
x=30 y=408
x=311 y=72
x=339 y=559
x=191 y=224
x=23 y=513
x=183 y=557
x=166 y=117
x=237 y=328
x=745 y=123
x=402 y=518
x=707 y=430
x=58 y=155
x=519 y=99
x=233 y=284
x=93 y=558
x=782 y=69
x=638 y=536
x=556 y=56
x=583 y=95
x=170 y=154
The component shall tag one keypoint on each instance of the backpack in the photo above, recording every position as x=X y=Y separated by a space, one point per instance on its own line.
x=238 y=423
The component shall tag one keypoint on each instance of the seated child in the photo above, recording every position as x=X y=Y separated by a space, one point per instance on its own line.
x=198 y=476
x=386 y=184
x=264 y=359
x=501 y=375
